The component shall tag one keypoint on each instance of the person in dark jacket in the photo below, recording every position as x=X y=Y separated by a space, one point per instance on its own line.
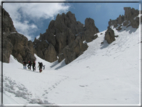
x=33 y=64
x=40 y=66
x=29 y=65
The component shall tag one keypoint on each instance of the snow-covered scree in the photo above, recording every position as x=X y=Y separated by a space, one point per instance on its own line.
x=103 y=74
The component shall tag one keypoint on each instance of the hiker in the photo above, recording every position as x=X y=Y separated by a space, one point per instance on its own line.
x=24 y=64
x=29 y=65
x=33 y=64
x=40 y=66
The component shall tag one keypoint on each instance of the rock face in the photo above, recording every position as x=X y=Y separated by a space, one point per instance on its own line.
x=130 y=18
x=7 y=23
x=73 y=50
x=65 y=37
x=15 y=43
x=109 y=35
x=90 y=29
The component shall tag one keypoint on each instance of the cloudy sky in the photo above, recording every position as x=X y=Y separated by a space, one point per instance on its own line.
x=31 y=19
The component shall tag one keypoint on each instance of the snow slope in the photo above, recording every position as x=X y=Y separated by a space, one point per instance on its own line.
x=103 y=74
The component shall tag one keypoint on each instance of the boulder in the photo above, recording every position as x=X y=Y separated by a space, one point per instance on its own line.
x=109 y=35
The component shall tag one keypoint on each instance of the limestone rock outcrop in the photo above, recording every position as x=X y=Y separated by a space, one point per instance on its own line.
x=130 y=18
x=14 y=43
x=66 y=35
x=109 y=35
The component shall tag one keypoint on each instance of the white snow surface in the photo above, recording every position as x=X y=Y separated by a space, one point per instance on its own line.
x=104 y=74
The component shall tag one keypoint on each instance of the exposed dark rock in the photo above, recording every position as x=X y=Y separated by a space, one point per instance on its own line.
x=90 y=30
x=22 y=49
x=109 y=35
x=15 y=43
x=7 y=22
x=40 y=47
x=135 y=23
x=130 y=13
x=69 y=54
x=61 y=39
x=129 y=19
x=120 y=19
x=65 y=32
x=76 y=48
x=96 y=36
x=50 y=53
x=61 y=57
x=7 y=50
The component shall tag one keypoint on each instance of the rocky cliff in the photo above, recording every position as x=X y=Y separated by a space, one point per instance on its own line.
x=65 y=38
x=14 y=43
x=130 y=18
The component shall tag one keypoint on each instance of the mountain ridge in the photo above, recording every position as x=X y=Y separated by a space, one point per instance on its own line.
x=65 y=37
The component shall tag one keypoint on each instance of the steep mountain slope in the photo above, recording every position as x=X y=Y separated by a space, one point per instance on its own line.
x=103 y=74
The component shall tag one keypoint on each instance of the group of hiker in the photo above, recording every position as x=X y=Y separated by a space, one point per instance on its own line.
x=32 y=64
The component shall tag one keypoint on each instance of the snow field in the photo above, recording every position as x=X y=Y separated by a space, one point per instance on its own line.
x=103 y=74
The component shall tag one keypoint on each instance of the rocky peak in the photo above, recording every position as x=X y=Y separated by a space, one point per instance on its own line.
x=65 y=32
x=130 y=13
x=71 y=17
x=89 y=23
x=130 y=18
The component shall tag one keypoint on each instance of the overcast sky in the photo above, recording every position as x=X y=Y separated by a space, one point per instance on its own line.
x=31 y=19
